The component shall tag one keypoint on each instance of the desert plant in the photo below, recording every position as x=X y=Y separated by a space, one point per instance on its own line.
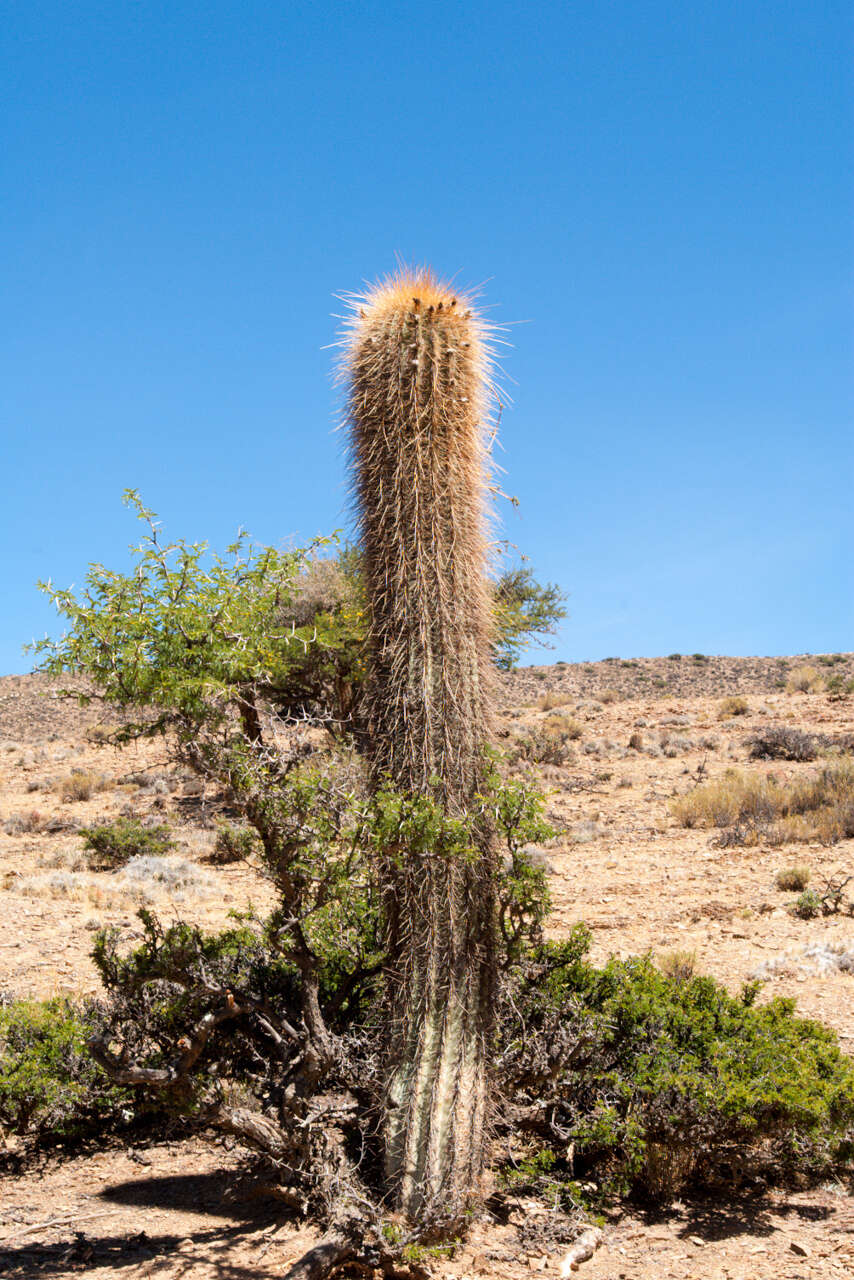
x=805 y=679
x=81 y=784
x=550 y=701
x=418 y=365
x=113 y=844
x=631 y=1075
x=782 y=743
x=25 y=823
x=679 y=964
x=750 y=806
x=838 y=687
x=50 y=1089
x=649 y=1079
x=808 y=905
x=733 y=706
x=790 y=879
x=233 y=843
x=525 y=610
x=564 y=725
x=545 y=743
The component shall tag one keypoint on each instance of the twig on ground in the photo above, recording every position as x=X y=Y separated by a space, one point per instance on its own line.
x=56 y=1222
x=585 y=1246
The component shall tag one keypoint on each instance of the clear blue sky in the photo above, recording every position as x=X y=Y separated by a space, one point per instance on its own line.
x=659 y=197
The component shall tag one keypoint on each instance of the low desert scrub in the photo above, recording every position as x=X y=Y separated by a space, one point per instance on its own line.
x=545 y=744
x=781 y=743
x=805 y=679
x=549 y=701
x=585 y=831
x=147 y=876
x=807 y=906
x=792 y=879
x=678 y=964
x=113 y=844
x=50 y=1087
x=670 y=1081
x=733 y=706
x=233 y=844
x=144 y=880
x=563 y=725
x=25 y=823
x=750 y=807
x=635 y=1078
x=81 y=784
x=75 y=886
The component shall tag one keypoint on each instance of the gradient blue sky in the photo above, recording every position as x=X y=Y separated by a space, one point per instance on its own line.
x=658 y=197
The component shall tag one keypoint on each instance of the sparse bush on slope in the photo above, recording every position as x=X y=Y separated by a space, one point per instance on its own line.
x=50 y=1088
x=655 y=1081
x=652 y=1080
x=113 y=844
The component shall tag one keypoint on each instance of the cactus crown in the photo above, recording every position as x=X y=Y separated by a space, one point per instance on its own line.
x=420 y=370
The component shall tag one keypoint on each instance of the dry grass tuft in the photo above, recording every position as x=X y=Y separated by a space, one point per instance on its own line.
x=678 y=964
x=565 y=725
x=81 y=784
x=805 y=679
x=733 y=706
x=752 y=807
x=550 y=701
x=792 y=879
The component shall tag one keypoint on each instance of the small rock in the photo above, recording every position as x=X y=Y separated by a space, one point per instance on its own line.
x=800 y=1249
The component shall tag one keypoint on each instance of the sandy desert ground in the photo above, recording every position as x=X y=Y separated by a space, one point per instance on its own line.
x=178 y=1207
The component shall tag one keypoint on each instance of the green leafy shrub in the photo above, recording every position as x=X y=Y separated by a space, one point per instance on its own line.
x=49 y=1085
x=234 y=844
x=113 y=844
x=658 y=1080
x=808 y=905
x=524 y=610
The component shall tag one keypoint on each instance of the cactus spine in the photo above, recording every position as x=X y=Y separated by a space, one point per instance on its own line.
x=418 y=366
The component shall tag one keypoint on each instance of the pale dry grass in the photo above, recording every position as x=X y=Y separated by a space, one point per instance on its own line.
x=564 y=725
x=819 y=807
x=734 y=706
x=793 y=879
x=144 y=880
x=805 y=679
x=550 y=701
x=81 y=784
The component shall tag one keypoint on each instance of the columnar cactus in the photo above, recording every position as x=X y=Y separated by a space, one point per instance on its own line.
x=418 y=365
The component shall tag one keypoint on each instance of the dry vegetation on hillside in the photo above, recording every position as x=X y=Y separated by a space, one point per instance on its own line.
x=696 y=799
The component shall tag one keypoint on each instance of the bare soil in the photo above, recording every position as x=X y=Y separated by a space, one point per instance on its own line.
x=176 y=1207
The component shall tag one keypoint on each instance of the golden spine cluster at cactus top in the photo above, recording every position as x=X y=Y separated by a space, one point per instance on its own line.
x=419 y=368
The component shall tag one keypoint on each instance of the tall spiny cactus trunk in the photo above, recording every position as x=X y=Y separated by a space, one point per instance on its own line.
x=418 y=370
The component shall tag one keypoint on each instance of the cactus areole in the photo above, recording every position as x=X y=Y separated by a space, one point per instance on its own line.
x=418 y=366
